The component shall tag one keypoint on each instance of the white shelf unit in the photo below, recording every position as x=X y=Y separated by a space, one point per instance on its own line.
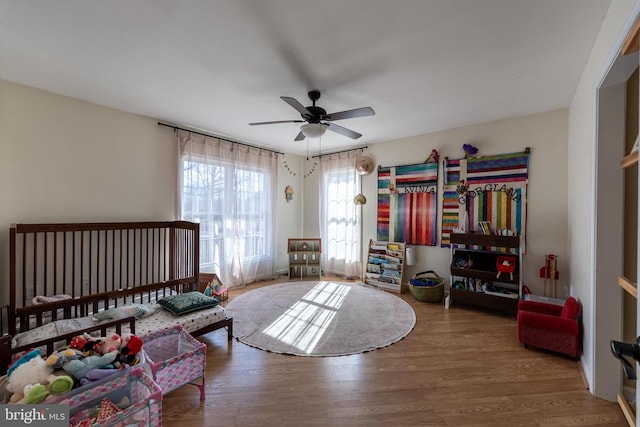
x=385 y=265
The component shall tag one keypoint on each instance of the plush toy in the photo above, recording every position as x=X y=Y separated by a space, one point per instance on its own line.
x=24 y=359
x=79 y=367
x=85 y=343
x=131 y=347
x=57 y=359
x=59 y=383
x=109 y=344
x=97 y=374
x=32 y=371
x=33 y=393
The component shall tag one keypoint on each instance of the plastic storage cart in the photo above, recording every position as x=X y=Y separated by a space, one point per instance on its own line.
x=132 y=388
x=175 y=359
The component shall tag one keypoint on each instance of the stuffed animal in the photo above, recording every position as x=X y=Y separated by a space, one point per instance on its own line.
x=98 y=374
x=36 y=393
x=109 y=344
x=33 y=393
x=29 y=369
x=79 y=367
x=57 y=359
x=35 y=371
x=131 y=347
x=85 y=343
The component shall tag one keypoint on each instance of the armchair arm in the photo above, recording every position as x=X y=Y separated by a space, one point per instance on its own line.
x=548 y=322
x=539 y=307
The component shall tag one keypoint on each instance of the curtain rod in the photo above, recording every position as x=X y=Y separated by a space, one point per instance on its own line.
x=174 y=127
x=338 y=152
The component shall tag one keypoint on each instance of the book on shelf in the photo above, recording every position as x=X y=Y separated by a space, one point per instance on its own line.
x=377 y=260
x=390 y=273
x=392 y=259
x=373 y=268
x=396 y=254
x=485 y=227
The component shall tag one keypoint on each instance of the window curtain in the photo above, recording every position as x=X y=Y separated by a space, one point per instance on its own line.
x=230 y=190
x=339 y=216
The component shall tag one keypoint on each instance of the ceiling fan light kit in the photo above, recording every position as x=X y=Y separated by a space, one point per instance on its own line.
x=316 y=118
x=313 y=130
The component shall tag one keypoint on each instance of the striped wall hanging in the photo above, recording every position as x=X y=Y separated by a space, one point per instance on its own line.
x=407 y=204
x=488 y=188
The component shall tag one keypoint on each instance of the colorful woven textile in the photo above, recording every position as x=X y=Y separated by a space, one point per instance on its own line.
x=407 y=204
x=494 y=189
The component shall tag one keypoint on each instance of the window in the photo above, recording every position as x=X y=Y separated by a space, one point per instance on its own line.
x=209 y=193
x=341 y=234
x=229 y=190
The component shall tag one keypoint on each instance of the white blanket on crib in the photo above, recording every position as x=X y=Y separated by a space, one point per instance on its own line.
x=159 y=320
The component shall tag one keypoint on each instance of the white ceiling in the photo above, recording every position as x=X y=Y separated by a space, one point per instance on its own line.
x=217 y=65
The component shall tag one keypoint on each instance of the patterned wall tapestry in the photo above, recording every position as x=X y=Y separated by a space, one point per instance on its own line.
x=407 y=204
x=496 y=192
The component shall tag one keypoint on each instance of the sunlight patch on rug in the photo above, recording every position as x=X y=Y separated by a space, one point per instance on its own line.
x=306 y=321
x=320 y=318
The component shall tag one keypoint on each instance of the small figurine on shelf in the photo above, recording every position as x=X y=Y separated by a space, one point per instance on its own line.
x=208 y=291
x=469 y=150
x=433 y=157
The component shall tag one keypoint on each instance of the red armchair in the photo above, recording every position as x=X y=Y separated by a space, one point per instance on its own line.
x=550 y=327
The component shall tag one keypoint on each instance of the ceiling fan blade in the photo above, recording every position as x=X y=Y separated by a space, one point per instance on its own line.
x=350 y=114
x=300 y=137
x=278 y=121
x=344 y=131
x=295 y=104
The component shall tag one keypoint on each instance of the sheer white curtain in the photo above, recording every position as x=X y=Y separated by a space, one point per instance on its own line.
x=230 y=190
x=339 y=216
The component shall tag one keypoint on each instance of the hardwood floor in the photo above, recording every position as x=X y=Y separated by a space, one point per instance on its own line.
x=458 y=367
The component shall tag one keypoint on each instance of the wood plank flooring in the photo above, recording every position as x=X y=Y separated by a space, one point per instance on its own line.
x=458 y=367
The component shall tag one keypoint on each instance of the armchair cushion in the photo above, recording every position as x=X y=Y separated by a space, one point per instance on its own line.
x=571 y=309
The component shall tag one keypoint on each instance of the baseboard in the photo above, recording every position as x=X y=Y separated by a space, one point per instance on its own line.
x=583 y=375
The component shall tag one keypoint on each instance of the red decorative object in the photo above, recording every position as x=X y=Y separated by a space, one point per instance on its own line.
x=549 y=272
x=505 y=264
x=550 y=327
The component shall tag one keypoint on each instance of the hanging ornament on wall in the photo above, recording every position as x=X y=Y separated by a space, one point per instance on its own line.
x=364 y=165
x=313 y=168
x=286 y=166
x=288 y=193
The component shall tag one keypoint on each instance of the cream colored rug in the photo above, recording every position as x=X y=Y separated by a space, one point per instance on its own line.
x=320 y=318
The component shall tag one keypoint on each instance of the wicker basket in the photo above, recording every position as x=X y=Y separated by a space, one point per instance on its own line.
x=427 y=286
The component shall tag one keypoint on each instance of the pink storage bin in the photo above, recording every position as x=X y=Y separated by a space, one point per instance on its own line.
x=131 y=386
x=175 y=358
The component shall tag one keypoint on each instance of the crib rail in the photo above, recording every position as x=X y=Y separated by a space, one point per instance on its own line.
x=98 y=265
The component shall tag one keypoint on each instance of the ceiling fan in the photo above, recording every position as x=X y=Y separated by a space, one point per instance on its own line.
x=318 y=121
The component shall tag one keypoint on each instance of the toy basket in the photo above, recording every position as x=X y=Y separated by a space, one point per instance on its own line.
x=427 y=286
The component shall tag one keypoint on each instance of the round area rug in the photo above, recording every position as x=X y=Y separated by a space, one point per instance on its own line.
x=320 y=318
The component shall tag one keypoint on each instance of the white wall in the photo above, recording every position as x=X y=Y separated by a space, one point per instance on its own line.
x=545 y=133
x=582 y=171
x=65 y=160
x=290 y=214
